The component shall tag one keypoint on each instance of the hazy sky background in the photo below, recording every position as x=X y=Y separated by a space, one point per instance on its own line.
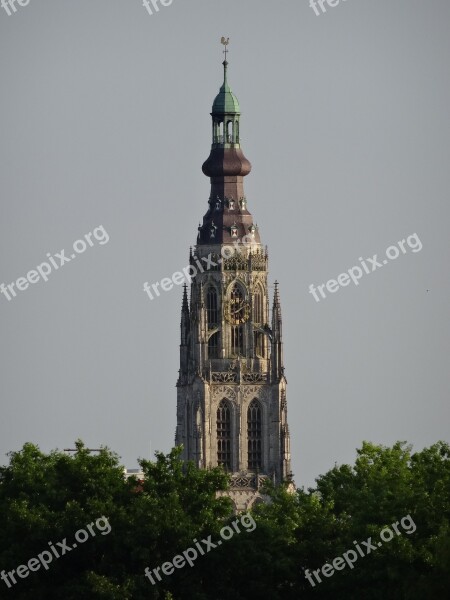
x=104 y=120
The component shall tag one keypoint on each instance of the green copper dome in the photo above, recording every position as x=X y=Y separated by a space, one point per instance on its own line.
x=226 y=101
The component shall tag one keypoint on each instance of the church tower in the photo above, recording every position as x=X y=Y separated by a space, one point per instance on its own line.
x=231 y=390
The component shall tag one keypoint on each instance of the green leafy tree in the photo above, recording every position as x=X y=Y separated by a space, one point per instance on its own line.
x=353 y=503
x=48 y=497
x=308 y=529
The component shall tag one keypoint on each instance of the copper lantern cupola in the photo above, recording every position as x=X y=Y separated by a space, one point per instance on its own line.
x=226 y=167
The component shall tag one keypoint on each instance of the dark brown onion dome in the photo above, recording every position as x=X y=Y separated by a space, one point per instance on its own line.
x=224 y=162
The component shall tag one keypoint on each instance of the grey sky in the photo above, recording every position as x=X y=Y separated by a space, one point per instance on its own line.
x=104 y=120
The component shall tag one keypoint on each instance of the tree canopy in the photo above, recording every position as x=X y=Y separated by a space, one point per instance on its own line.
x=45 y=499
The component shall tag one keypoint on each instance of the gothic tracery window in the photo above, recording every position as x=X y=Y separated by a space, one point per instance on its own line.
x=258 y=307
x=211 y=307
x=224 y=435
x=254 y=435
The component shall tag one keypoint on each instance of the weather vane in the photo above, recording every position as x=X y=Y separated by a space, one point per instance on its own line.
x=225 y=42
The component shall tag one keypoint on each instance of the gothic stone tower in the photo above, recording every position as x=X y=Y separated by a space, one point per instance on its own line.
x=231 y=400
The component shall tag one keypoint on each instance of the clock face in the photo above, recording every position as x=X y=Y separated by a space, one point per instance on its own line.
x=237 y=310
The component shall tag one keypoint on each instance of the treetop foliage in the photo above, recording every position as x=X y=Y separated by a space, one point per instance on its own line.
x=47 y=498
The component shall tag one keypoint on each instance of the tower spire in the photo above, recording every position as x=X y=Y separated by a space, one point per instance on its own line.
x=225 y=332
x=228 y=217
x=277 y=336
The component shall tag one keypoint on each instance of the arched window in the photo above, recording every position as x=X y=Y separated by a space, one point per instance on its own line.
x=217 y=132
x=213 y=346
x=254 y=436
x=212 y=312
x=224 y=435
x=258 y=307
x=230 y=131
